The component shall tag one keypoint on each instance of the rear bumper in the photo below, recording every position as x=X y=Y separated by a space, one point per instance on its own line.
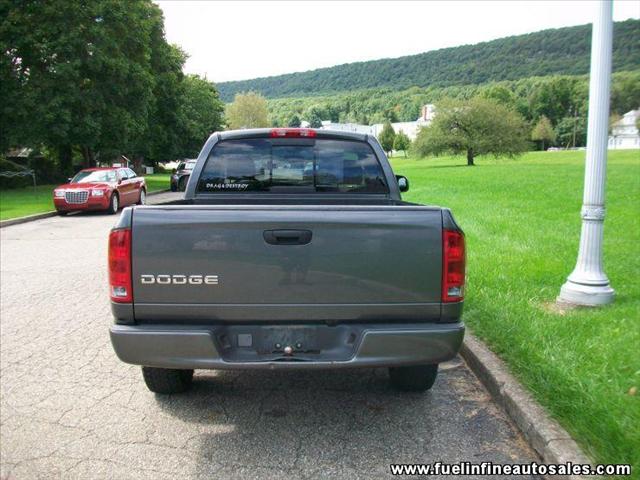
x=375 y=345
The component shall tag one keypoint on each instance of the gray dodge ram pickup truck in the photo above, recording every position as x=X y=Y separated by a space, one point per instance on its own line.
x=292 y=248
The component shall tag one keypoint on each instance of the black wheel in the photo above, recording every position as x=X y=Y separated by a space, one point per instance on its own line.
x=143 y=197
x=114 y=204
x=167 y=380
x=182 y=184
x=415 y=378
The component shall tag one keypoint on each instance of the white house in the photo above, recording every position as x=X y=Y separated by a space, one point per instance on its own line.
x=624 y=133
x=409 y=128
x=347 y=127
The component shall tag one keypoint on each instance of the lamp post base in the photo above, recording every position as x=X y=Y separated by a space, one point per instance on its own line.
x=585 y=295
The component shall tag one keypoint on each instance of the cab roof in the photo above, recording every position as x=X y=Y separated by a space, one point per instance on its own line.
x=267 y=133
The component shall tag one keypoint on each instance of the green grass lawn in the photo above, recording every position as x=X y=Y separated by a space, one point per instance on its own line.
x=522 y=223
x=28 y=201
x=157 y=181
x=25 y=201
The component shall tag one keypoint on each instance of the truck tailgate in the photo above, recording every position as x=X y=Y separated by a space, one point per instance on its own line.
x=236 y=263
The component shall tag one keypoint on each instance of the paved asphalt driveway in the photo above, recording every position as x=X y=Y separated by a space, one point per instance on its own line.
x=70 y=409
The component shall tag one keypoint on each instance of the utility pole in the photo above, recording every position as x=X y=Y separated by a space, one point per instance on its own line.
x=588 y=284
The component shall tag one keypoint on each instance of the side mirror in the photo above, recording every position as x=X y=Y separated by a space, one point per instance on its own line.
x=69 y=179
x=403 y=183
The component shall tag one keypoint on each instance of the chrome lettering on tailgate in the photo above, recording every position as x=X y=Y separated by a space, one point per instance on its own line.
x=148 y=279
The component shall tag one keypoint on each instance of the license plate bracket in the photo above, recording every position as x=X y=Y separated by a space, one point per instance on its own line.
x=300 y=339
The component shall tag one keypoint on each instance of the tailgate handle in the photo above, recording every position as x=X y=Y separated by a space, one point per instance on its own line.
x=287 y=237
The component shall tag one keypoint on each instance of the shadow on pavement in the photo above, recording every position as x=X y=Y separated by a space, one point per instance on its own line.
x=347 y=423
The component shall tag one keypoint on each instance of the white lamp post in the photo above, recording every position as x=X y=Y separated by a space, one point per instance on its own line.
x=588 y=284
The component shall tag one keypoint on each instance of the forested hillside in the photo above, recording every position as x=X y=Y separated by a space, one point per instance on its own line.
x=554 y=96
x=563 y=51
x=562 y=99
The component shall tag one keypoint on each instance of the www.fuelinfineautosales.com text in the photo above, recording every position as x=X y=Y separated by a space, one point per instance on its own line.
x=489 y=468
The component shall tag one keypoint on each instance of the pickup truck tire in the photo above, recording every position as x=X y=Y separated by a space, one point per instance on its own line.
x=166 y=380
x=415 y=378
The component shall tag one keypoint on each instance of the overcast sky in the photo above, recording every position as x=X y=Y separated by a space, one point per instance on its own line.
x=240 y=40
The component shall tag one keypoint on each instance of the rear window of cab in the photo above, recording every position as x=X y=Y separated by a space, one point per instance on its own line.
x=292 y=166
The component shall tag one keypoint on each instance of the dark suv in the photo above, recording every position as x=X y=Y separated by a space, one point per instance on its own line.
x=180 y=176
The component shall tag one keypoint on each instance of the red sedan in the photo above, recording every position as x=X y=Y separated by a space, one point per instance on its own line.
x=100 y=189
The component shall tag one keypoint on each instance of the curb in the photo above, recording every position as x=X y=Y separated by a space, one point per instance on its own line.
x=40 y=216
x=158 y=192
x=28 y=218
x=550 y=441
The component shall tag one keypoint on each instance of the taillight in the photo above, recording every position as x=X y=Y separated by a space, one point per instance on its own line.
x=453 y=265
x=292 y=132
x=120 y=265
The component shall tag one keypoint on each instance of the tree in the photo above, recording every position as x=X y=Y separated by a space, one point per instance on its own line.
x=82 y=73
x=390 y=115
x=553 y=97
x=401 y=142
x=100 y=79
x=625 y=92
x=201 y=113
x=294 y=121
x=164 y=134
x=500 y=94
x=314 y=116
x=248 y=110
x=572 y=132
x=543 y=132
x=387 y=137
x=475 y=127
